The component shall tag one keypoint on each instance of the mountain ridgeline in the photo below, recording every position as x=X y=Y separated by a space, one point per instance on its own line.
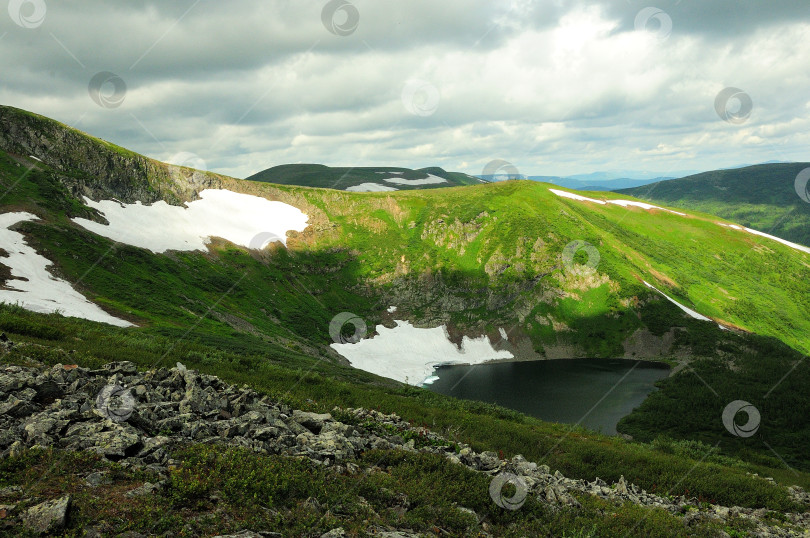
x=561 y=276
x=363 y=178
x=763 y=197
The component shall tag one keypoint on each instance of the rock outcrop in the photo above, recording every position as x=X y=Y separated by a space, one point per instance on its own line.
x=99 y=170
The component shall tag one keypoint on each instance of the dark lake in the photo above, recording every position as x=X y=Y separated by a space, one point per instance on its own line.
x=595 y=393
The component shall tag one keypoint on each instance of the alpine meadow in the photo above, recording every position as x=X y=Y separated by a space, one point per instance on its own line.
x=353 y=268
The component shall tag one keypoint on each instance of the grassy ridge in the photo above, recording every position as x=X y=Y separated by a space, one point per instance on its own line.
x=337 y=177
x=762 y=197
x=500 y=236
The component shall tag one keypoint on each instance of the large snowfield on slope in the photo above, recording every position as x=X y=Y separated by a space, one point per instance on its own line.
x=409 y=354
x=159 y=227
x=33 y=287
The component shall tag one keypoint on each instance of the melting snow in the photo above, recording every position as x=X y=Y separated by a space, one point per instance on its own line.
x=370 y=187
x=623 y=203
x=409 y=354
x=779 y=239
x=159 y=227
x=33 y=287
x=430 y=180
x=688 y=310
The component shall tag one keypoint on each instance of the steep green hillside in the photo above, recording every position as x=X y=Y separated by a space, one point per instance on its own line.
x=762 y=197
x=342 y=178
x=474 y=258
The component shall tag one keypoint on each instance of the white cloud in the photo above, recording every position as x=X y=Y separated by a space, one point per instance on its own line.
x=553 y=87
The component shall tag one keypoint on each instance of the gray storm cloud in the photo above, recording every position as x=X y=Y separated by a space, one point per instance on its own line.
x=553 y=87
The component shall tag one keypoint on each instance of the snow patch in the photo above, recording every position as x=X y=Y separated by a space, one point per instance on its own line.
x=392 y=309
x=686 y=309
x=430 y=180
x=41 y=292
x=503 y=333
x=778 y=239
x=623 y=203
x=642 y=205
x=159 y=227
x=370 y=187
x=408 y=354
x=571 y=195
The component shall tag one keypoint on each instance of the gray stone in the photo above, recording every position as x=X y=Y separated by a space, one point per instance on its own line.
x=47 y=517
x=311 y=421
x=147 y=489
x=621 y=486
x=250 y=534
x=98 y=478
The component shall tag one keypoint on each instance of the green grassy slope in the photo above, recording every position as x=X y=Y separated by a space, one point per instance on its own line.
x=762 y=197
x=332 y=177
x=476 y=258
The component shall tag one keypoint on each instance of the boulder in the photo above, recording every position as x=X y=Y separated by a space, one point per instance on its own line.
x=47 y=517
x=312 y=421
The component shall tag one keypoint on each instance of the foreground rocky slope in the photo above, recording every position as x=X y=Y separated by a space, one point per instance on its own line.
x=138 y=418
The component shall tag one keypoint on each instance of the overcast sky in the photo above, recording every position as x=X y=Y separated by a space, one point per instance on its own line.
x=553 y=87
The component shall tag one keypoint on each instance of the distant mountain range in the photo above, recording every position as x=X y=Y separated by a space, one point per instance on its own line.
x=608 y=180
x=596 y=185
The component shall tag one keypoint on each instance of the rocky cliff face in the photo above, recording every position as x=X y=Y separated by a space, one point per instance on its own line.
x=95 y=168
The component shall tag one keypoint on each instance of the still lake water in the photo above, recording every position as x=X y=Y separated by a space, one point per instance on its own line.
x=594 y=392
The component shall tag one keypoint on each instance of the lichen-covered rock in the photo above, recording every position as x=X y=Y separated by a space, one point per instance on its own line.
x=47 y=517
